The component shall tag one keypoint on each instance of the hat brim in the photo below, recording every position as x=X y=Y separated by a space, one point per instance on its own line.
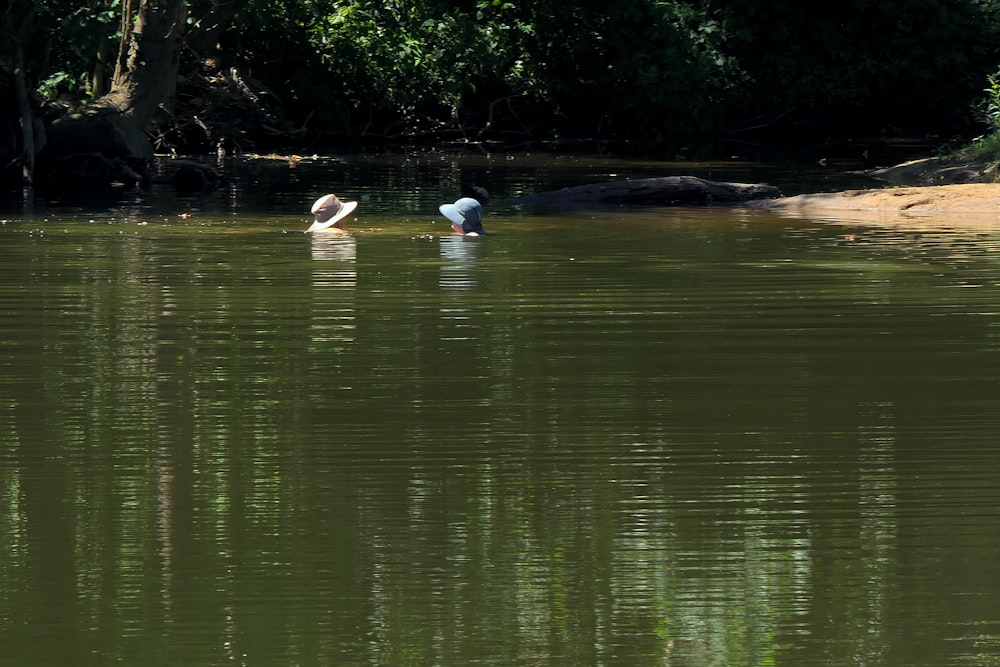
x=450 y=211
x=347 y=207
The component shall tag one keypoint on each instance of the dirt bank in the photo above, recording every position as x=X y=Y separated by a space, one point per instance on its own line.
x=963 y=198
x=922 y=188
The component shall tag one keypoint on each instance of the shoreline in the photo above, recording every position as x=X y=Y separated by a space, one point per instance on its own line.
x=918 y=188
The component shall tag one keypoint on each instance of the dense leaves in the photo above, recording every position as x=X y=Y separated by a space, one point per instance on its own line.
x=492 y=68
x=664 y=73
x=644 y=70
x=64 y=47
x=864 y=65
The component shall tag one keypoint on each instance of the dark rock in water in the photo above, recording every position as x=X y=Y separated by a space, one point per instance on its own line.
x=661 y=191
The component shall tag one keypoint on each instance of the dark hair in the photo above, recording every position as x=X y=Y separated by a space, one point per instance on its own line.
x=477 y=192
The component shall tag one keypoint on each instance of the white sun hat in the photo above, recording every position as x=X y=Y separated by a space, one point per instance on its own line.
x=329 y=211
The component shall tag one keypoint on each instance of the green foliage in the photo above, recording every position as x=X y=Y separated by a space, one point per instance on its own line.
x=860 y=62
x=420 y=65
x=60 y=58
x=645 y=68
x=985 y=147
x=989 y=108
x=55 y=84
x=656 y=71
x=403 y=67
x=584 y=68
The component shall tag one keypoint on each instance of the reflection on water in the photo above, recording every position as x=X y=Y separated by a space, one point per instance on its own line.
x=458 y=282
x=630 y=438
x=334 y=247
x=458 y=254
x=332 y=311
x=334 y=281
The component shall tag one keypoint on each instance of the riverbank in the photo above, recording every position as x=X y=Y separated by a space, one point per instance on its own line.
x=927 y=187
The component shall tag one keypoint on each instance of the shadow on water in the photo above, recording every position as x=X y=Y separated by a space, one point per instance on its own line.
x=407 y=184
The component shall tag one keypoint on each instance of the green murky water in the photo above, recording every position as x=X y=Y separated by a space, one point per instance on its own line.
x=685 y=437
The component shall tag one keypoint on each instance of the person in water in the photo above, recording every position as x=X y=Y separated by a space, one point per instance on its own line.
x=330 y=213
x=465 y=215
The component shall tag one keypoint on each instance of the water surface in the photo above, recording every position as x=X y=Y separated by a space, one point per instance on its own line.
x=621 y=437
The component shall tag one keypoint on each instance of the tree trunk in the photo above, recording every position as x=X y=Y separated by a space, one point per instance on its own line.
x=147 y=65
x=98 y=144
x=27 y=127
x=105 y=142
x=27 y=118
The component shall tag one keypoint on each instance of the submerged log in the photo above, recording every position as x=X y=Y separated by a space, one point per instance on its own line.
x=661 y=191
